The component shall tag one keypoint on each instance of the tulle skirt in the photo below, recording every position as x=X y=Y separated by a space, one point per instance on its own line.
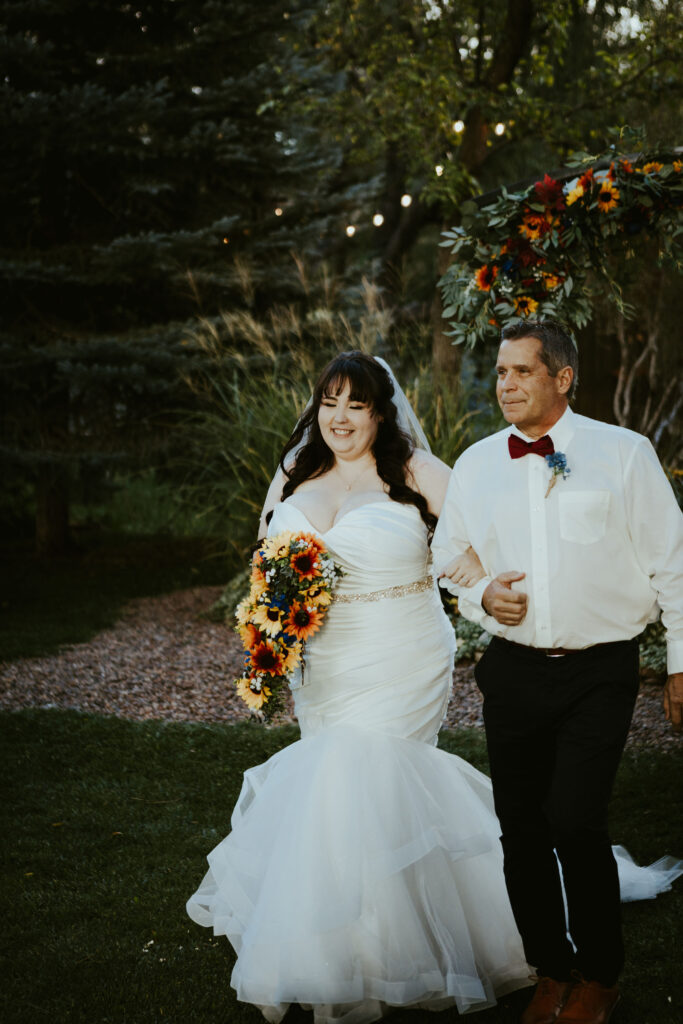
x=363 y=871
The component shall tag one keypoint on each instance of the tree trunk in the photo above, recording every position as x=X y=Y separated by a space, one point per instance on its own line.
x=446 y=357
x=52 y=512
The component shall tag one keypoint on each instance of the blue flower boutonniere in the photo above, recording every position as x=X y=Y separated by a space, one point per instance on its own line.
x=558 y=465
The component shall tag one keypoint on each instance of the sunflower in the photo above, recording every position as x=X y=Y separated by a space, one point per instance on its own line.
x=290 y=657
x=318 y=596
x=608 y=197
x=252 y=698
x=525 y=305
x=277 y=547
x=309 y=540
x=576 y=193
x=625 y=166
x=485 y=277
x=305 y=563
x=678 y=166
x=265 y=657
x=586 y=180
x=250 y=635
x=243 y=611
x=268 y=617
x=303 y=620
x=533 y=226
x=654 y=167
x=552 y=281
x=259 y=583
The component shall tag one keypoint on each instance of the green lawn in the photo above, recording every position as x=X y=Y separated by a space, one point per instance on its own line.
x=106 y=826
x=46 y=603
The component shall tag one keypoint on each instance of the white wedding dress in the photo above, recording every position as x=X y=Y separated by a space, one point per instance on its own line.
x=364 y=868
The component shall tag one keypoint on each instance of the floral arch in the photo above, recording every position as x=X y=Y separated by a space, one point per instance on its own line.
x=541 y=251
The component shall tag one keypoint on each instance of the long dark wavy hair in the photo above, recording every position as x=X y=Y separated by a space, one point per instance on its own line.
x=371 y=384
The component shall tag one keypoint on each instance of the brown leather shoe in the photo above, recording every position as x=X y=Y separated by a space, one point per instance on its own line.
x=547 y=1001
x=589 y=1003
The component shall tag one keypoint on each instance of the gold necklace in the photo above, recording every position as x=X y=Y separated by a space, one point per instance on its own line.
x=347 y=487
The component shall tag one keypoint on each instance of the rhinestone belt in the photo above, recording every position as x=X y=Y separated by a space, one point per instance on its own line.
x=426 y=583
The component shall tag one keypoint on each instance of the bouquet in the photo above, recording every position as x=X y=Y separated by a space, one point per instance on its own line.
x=292 y=579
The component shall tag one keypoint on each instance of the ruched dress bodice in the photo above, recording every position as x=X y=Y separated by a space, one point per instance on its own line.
x=363 y=668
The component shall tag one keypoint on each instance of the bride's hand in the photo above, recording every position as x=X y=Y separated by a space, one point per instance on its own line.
x=465 y=570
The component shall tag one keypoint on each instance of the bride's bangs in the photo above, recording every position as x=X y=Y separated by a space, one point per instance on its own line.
x=363 y=383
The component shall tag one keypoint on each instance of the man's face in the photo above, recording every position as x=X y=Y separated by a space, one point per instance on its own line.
x=528 y=396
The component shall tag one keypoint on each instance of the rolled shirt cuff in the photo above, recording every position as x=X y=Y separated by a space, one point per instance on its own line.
x=674 y=655
x=469 y=598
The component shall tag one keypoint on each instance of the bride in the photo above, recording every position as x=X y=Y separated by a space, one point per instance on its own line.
x=364 y=870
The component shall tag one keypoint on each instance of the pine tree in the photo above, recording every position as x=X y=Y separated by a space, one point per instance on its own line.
x=142 y=154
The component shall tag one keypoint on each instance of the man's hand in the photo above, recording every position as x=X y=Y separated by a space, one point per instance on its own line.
x=673 y=699
x=506 y=605
x=465 y=570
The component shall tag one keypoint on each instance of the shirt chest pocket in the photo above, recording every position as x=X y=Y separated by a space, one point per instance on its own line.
x=583 y=516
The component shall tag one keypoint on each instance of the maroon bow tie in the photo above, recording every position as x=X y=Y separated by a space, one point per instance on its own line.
x=518 y=447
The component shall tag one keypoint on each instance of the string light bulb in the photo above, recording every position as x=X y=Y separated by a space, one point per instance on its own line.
x=378 y=220
x=500 y=128
x=406 y=199
x=439 y=170
x=458 y=126
x=278 y=211
x=350 y=230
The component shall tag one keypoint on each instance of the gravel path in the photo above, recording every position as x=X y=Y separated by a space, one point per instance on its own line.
x=160 y=660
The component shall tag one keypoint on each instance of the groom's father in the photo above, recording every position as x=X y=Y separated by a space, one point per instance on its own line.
x=582 y=540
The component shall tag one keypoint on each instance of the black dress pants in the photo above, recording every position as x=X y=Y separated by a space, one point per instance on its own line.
x=556 y=728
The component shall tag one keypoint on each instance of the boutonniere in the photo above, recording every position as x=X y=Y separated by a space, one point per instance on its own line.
x=558 y=465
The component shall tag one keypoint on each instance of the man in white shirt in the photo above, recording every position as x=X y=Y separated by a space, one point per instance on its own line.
x=581 y=538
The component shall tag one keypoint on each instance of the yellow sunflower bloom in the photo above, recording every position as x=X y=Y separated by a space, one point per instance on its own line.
x=525 y=305
x=291 y=658
x=608 y=197
x=678 y=166
x=268 y=617
x=259 y=584
x=575 y=194
x=318 y=596
x=654 y=167
x=278 y=547
x=252 y=698
x=243 y=611
x=551 y=281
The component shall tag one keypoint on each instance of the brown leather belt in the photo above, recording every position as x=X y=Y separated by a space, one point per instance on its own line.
x=554 y=652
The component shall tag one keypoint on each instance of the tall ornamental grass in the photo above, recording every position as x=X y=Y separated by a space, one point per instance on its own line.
x=256 y=376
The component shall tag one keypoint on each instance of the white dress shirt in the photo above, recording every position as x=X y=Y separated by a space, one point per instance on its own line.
x=602 y=553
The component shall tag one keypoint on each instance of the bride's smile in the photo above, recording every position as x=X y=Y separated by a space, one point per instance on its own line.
x=348 y=427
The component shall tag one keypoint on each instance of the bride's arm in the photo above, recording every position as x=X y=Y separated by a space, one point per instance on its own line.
x=430 y=476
